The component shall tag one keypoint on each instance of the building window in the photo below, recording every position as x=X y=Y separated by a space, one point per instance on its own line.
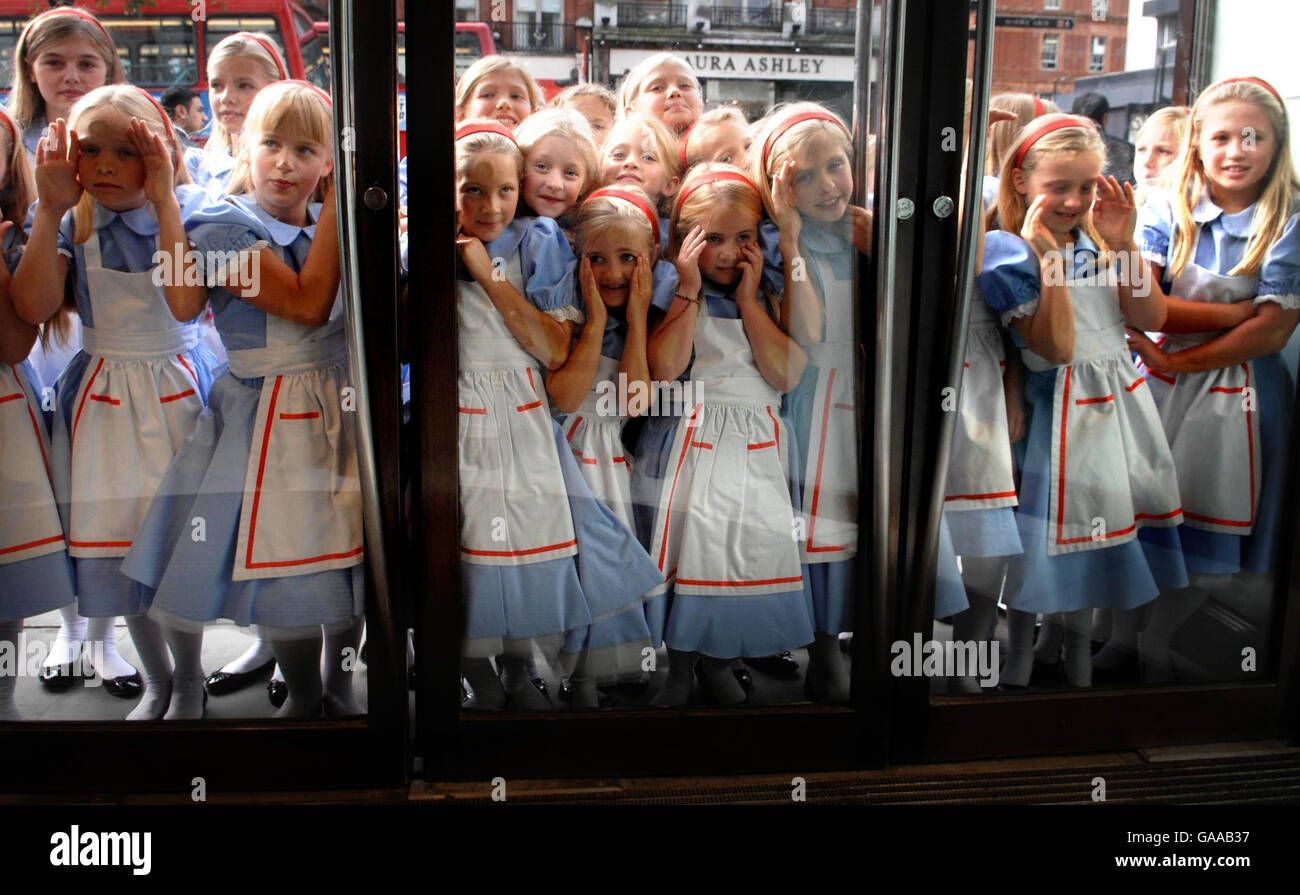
x=1051 y=4
x=467 y=11
x=1097 y=61
x=1051 y=51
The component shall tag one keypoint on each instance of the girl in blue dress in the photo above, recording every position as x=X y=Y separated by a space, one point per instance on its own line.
x=726 y=502
x=801 y=161
x=1225 y=247
x=35 y=575
x=277 y=446
x=604 y=382
x=126 y=402
x=1097 y=468
x=539 y=554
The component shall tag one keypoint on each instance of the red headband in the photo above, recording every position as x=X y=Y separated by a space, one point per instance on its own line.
x=1044 y=130
x=298 y=82
x=70 y=11
x=615 y=193
x=1258 y=82
x=493 y=127
x=167 y=121
x=791 y=122
x=265 y=45
x=1039 y=108
x=714 y=177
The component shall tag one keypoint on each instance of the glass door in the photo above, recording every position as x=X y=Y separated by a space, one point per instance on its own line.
x=1105 y=553
x=665 y=348
x=285 y=541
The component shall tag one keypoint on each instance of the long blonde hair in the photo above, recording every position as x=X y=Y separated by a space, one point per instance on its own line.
x=286 y=108
x=133 y=102
x=1009 y=213
x=268 y=58
x=662 y=140
x=694 y=205
x=1277 y=197
x=52 y=27
x=569 y=125
x=489 y=65
x=1026 y=107
x=792 y=142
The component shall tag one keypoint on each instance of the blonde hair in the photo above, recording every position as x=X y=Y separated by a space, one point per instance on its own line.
x=662 y=141
x=567 y=96
x=792 y=142
x=734 y=195
x=285 y=108
x=490 y=65
x=53 y=27
x=271 y=63
x=486 y=141
x=630 y=88
x=1009 y=213
x=712 y=118
x=1170 y=118
x=601 y=214
x=1277 y=197
x=1002 y=134
x=132 y=102
x=568 y=124
x=18 y=191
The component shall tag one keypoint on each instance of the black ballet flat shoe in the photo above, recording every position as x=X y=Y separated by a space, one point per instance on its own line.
x=712 y=698
x=277 y=692
x=58 y=678
x=781 y=665
x=566 y=691
x=745 y=679
x=1127 y=672
x=129 y=686
x=221 y=683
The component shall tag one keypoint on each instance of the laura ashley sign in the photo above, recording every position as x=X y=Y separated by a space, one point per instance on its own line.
x=759 y=66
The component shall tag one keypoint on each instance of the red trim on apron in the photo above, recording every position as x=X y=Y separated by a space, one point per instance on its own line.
x=106 y=399
x=1136 y=383
x=991 y=496
x=668 y=510
x=482 y=410
x=1250 y=450
x=1103 y=400
x=573 y=428
x=1162 y=377
x=761 y=445
x=528 y=552
x=99 y=543
x=523 y=407
x=81 y=405
x=702 y=444
x=167 y=399
x=776 y=427
x=590 y=461
x=36 y=427
x=845 y=407
x=756 y=583
x=29 y=545
x=817 y=481
x=14 y=397
x=312 y=415
x=188 y=368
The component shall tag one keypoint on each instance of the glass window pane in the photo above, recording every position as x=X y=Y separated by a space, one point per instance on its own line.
x=156 y=52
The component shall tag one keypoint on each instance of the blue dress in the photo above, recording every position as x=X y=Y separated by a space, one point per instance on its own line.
x=210 y=170
x=126 y=242
x=196 y=578
x=1213 y=548
x=529 y=569
x=1128 y=571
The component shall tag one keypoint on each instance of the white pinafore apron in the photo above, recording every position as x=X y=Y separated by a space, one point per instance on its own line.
x=1111 y=470
x=725 y=522
x=595 y=435
x=137 y=402
x=830 y=479
x=979 y=468
x=1211 y=421
x=29 y=517
x=301 y=510
x=513 y=501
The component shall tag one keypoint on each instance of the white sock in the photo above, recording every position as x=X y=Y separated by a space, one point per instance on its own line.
x=340 y=702
x=102 y=630
x=67 y=643
x=1048 y=646
x=187 y=681
x=585 y=694
x=257 y=655
x=300 y=659
x=1078 y=646
x=1020 y=648
x=1101 y=625
x=514 y=659
x=147 y=636
x=9 y=632
x=677 y=688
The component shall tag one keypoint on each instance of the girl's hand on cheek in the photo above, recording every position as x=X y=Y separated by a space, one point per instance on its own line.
x=751 y=266
x=861 y=229
x=591 y=292
x=1115 y=212
x=1035 y=232
x=688 y=262
x=638 y=300
x=57 y=154
x=784 y=211
x=474 y=256
x=159 y=187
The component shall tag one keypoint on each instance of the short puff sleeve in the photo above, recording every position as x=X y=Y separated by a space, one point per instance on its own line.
x=1279 y=276
x=666 y=282
x=1009 y=278
x=1155 y=227
x=224 y=229
x=63 y=241
x=549 y=269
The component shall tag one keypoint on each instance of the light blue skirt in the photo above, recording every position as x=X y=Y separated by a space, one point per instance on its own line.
x=1122 y=576
x=193 y=579
x=989 y=532
x=102 y=590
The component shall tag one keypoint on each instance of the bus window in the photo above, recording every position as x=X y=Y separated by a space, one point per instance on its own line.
x=468 y=50
x=219 y=27
x=314 y=63
x=9 y=31
x=156 y=52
